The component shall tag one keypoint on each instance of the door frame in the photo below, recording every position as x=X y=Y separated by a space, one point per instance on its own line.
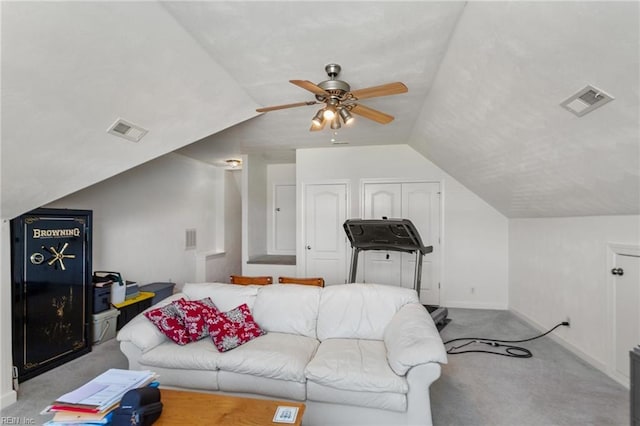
x=613 y=250
x=441 y=222
x=301 y=226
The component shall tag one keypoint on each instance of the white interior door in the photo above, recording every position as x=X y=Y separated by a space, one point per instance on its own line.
x=325 y=211
x=421 y=205
x=381 y=267
x=284 y=226
x=626 y=272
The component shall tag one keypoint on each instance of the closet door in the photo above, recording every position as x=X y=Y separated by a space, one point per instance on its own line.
x=284 y=222
x=380 y=267
x=421 y=205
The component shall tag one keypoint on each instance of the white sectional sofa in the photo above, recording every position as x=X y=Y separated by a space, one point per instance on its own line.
x=354 y=353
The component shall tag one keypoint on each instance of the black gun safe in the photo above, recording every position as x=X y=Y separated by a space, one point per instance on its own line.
x=51 y=289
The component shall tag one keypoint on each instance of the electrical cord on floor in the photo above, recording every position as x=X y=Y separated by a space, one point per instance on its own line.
x=509 y=349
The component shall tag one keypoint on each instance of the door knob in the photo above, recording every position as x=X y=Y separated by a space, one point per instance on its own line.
x=617 y=271
x=308 y=247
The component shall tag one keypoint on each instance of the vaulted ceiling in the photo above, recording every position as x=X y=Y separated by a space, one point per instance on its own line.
x=485 y=81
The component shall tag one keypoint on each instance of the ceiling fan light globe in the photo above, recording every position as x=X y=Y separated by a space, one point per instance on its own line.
x=346 y=116
x=335 y=123
x=329 y=114
x=317 y=120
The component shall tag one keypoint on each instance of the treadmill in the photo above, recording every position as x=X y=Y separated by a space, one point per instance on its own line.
x=391 y=235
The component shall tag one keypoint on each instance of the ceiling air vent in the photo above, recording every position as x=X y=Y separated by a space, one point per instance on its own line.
x=127 y=130
x=586 y=100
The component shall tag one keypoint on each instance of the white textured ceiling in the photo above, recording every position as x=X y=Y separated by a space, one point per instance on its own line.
x=485 y=81
x=266 y=44
x=493 y=120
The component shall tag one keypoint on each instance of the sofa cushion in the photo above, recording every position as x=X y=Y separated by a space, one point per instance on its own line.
x=360 y=311
x=168 y=320
x=225 y=296
x=288 y=309
x=274 y=355
x=380 y=400
x=200 y=355
x=194 y=314
x=229 y=381
x=233 y=328
x=411 y=338
x=355 y=365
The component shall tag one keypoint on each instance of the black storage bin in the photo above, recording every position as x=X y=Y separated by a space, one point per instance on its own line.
x=101 y=299
x=127 y=313
x=161 y=290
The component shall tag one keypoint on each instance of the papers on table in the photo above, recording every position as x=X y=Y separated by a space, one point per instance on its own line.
x=93 y=402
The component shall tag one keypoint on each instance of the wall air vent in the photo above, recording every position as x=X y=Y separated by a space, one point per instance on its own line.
x=190 y=239
x=127 y=130
x=586 y=100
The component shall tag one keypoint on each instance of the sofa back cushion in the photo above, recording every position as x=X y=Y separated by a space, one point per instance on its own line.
x=225 y=296
x=288 y=308
x=360 y=311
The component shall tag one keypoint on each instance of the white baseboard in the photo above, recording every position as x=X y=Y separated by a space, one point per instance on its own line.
x=8 y=398
x=473 y=305
x=570 y=347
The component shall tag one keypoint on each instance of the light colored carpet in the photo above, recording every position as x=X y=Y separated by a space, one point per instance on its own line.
x=552 y=388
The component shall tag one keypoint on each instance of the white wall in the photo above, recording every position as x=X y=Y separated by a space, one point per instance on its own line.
x=474 y=234
x=558 y=269
x=254 y=208
x=220 y=266
x=140 y=218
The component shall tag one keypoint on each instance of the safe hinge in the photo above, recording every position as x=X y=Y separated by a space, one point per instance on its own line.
x=14 y=377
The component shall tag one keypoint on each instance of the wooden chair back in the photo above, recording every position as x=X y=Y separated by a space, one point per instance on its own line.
x=304 y=281
x=245 y=280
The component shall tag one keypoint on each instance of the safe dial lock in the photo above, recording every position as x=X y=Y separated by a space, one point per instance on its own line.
x=37 y=258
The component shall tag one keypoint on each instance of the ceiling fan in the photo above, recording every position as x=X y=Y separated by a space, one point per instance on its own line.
x=340 y=101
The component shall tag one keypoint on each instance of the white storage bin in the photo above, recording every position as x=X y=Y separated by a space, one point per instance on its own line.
x=104 y=325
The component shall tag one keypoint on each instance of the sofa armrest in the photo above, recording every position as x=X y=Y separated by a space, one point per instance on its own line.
x=412 y=338
x=143 y=333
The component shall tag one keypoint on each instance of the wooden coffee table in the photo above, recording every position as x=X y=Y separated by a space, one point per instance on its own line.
x=193 y=408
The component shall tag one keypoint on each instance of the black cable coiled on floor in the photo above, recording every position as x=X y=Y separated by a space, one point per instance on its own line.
x=509 y=350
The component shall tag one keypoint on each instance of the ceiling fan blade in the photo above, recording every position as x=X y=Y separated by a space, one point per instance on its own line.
x=372 y=114
x=383 y=90
x=312 y=87
x=277 y=107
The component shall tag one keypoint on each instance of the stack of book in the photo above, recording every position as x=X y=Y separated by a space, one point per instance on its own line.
x=93 y=402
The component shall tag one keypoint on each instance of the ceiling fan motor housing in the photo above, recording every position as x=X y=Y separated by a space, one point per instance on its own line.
x=335 y=88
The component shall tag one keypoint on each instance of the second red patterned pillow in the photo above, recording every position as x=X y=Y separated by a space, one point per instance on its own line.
x=233 y=328
x=195 y=314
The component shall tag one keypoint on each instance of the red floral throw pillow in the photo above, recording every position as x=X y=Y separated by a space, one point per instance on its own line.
x=194 y=314
x=168 y=320
x=231 y=329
